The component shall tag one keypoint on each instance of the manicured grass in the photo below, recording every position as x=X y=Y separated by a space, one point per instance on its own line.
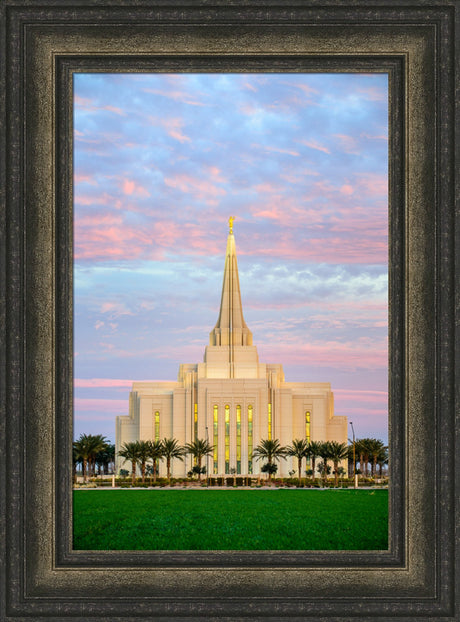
x=231 y=519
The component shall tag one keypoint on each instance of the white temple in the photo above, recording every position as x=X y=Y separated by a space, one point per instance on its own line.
x=230 y=399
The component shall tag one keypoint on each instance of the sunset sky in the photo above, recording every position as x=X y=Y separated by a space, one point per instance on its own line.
x=160 y=163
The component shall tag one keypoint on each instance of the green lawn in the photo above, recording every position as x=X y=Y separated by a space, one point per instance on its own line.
x=231 y=519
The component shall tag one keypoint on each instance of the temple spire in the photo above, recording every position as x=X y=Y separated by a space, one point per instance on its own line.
x=230 y=329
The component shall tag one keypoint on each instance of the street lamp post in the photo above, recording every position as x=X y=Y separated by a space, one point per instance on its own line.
x=207 y=459
x=355 y=477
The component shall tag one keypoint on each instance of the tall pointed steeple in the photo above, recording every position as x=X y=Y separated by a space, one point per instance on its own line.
x=230 y=329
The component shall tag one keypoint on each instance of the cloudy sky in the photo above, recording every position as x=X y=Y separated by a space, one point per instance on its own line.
x=162 y=161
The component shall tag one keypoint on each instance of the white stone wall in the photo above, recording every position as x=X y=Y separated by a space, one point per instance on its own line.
x=175 y=403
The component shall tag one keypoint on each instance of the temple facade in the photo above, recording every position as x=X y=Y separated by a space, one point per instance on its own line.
x=230 y=399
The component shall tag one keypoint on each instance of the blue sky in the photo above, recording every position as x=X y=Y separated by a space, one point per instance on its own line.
x=160 y=163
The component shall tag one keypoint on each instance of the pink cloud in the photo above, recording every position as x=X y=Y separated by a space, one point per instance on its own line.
x=115 y=110
x=166 y=233
x=249 y=87
x=324 y=250
x=369 y=137
x=373 y=93
x=97 y=220
x=341 y=231
x=272 y=214
x=88 y=104
x=350 y=355
x=100 y=404
x=305 y=88
x=373 y=183
x=82 y=101
x=358 y=396
x=177 y=95
x=128 y=186
x=348 y=143
x=199 y=188
x=347 y=189
x=81 y=178
x=98 y=236
x=298 y=178
x=216 y=173
x=248 y=109
x=97 y=199
x=105 y=236
x=131 y=188
x=313 y=144
x=173 y=127
x=90 y=383
x=178 y=135
x=277 y=150
x=115 y=309
x=267 y=187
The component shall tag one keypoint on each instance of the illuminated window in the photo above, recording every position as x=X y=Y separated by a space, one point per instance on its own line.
x=307 y=425
x=215 y=437
x=227 y=438
x=269 y=422
x=195 y=421
x=249 y=439
x=238 y=440
x=157 y=425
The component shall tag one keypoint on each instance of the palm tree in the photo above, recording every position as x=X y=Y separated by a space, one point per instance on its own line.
x=325 y=454
x=155 y=450
x=75 y=461
x=130 y=451
x=269 y=450
x=105 y=457
x=360 y=454
x=382 y=458
x=298 y=450
x=313 y=452
x=364 y=448
x=337 y=452
x=97 y=443
x=86 y=449
x=375 y=448
x=101 y=445
x=81 y=453
x=198 y=449
x=271 y=469
x=172 y=449
x=351 y=455
x=143 y=450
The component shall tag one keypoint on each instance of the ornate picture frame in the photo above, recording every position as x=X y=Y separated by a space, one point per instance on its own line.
x=44 y=44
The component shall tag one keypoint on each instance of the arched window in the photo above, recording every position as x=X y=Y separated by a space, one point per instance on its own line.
x=250 y=439
x=227 y=438
x=157 y=425
x=269 y=422
x=238 y=440
x=215 y=438
x=307 y=431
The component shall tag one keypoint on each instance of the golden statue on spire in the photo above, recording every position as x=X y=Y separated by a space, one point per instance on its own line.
x=230 y=223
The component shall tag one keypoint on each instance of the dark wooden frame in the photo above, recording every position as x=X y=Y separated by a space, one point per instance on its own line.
x=43 y=44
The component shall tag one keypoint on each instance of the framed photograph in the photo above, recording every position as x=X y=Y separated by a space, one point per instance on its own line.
x=301 y=162
x=46 y=47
